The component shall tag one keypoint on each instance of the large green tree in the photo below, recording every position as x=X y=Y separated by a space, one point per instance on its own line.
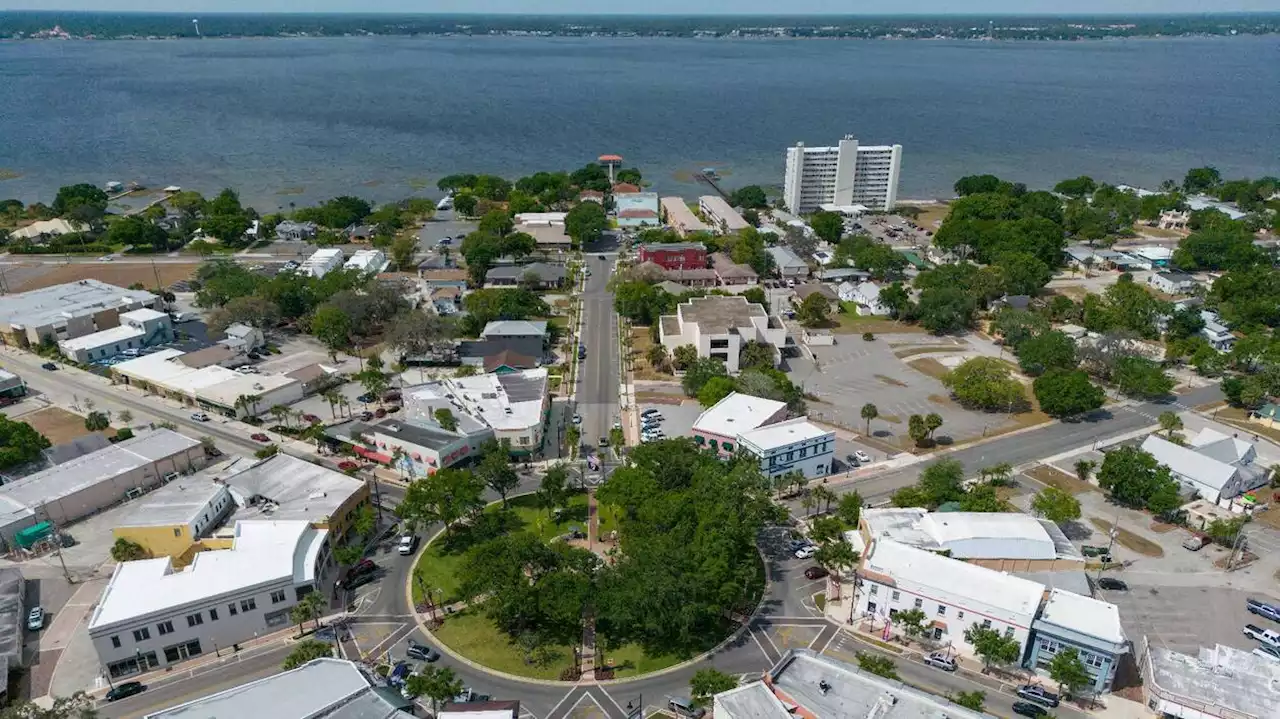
x=70 y=197
x=585 y=223
x=1067 y=393
x=1135 y=479
x=986 y=383
x=19 y=443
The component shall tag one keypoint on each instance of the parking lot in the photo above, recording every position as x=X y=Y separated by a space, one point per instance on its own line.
x=852 y=373
x=1186 y=618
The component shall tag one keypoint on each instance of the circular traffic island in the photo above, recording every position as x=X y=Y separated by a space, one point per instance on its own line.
x=655 y=568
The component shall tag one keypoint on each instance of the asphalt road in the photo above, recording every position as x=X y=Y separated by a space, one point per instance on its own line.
x=188 y=686
x=598 y=380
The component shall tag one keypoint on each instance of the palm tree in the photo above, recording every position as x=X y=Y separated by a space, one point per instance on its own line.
x=807 y=501
x=333 y=397
x=280 y=412
x=823 y=496
x=869 y=412
x=1084 y=468
x=1170 y=422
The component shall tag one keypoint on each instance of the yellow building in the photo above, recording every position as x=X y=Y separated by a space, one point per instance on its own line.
x=198 y=513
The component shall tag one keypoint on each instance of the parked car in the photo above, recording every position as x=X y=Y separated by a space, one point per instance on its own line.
x=1195 y=542
x=200 y=416
x=408 y=543
x=1038 y=694
x=367 y=398
x=1114 y=585
x=806 y=551
x=35 y=619
x=310 y=418
x=259 y=437
x=862 y=456
x=815 y=573
x=125 y=689
x=49 y=366
x=357 y=581
x=577 y=419
x=399 y=674
x=348 y=466
x=421 y=651
x=1027 y=709
x=1266 y=636
x=940 y=660
x=651 y=410
x=582 y=352
x=391 y=395
x=1262 y=609
x=366 y=415
x=852 y=460
x=364 y=566
x=1268 y=653
x=380 y=413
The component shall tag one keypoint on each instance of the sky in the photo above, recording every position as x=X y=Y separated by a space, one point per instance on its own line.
x=740 y=7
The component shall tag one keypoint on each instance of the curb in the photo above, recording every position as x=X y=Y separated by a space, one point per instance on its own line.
x=422 y=626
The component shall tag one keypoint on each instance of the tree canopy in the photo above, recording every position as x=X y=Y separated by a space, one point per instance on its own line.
x=1135 y=479
x=1067 y=393
x=986 y=383
x=19 y=443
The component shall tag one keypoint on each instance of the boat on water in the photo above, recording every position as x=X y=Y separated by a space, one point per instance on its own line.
x=446 y=203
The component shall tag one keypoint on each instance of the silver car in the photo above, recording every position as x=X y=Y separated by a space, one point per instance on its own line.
x=941 y=661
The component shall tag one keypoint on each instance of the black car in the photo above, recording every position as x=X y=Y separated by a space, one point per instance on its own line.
x=1114 y=585
x=1027 y=709
x=852 y=460
x=582 y=352
x=421 y=651
x=49 y=366
x=1038 y=694
x=362 y=568
x=127 y=689
x=367 y=398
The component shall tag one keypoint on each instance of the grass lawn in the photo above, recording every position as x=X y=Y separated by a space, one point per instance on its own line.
x=472 y=635
x=609 y=517
x=438 y=566
x=630 y=660
x=1125 y=538
x=1239 y=417
x=913 y=351
x=850 y=322
x=820 y=601
x=1054 y=477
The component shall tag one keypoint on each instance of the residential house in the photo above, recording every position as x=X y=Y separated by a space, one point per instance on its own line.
x=523 y=339
x=1214 y=466
x=361 y=233
x=636 y=209
x=693 y=278
x=675 y=255
x=866 y=296
x=788 y=264
x=243 y=337
x=720 y=327
x=443 y=277
x=800 y=293
x=730 y=273
x=1159 y=257
x=45 y=229
x=1215 y=333
x=538 y=275
x=295 y=231
x=1172 y=283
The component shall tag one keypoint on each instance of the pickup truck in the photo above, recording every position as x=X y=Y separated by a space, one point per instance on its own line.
x=1265 y=636
x=1263 y=609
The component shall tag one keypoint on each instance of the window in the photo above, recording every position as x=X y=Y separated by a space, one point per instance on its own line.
x=1008 y=631
x=919 y=603
x=896 y=595
x=986 y=623
x=803 y=452
x=727 y=446
x=524 y=440
x=714 y=444
x=195 y=619
x=942 y=610
x=178 y=652
x=1093 y=660
x=165 y=628
x=248 y=605
x=937 y=633
x=177 y=531
x=875 y=589
x=141 y=635
x=959 y=615
x=115 y=642
x=871 y=608
x=231 y=608
x=277 y=596
x=213 y=615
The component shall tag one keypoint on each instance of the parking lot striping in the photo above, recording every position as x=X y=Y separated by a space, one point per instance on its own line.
x=587 y=695
x=562 y=701
x=611 y=699
x=763 y=651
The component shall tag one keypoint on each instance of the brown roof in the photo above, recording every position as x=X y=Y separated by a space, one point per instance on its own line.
x=207 y=357
x=591 y=193
x=444 y=274
x=441 y=293
x=726 y=267
x=625 y=187
x=693 y=273
x=809 y=288
x=638 y=212
x=509 y=359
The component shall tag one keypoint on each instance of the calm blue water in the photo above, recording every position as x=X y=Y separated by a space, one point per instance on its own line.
x=298 y=120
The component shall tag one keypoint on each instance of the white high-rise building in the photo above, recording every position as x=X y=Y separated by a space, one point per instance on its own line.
x=844 y=175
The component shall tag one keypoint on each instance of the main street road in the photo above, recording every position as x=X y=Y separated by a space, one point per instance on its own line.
x=598 y=379
x=1036 y=444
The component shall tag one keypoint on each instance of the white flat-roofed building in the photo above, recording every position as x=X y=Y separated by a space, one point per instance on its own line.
x=514 y=405
x=680 y=218
x=92 y=482
x=794 y=445
x=138 y=329
x=737 y=413
x=954 y=595
x=721 y=217
x=322 y=262
x=67 y=311
x=1090 y=626
x=151 y=615
x=845 y=175
x=720 y=327
x=1221 y=681
x=166 y=522
x=1006 y=541
x=372 y=261
x=546 y=228
x=319 y=689
x=212 y=388
x=808 y=684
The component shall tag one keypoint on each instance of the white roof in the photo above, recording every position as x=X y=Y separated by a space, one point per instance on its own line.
x=1152 y=252
x=678 y=213
x=213 y=383
x=1189 y=463
x=784 y=257
x=952 y=581
x=368 y=261
x=122 y=333
x=1221 y=446
x=262 y=552
x=515 y=328
x=56 y=226
x=970 y=535
x=145 y=314
x=1226 y=677
x=540 y=218
x=58 y=303
x=781 y=434
x=722 y=210
x=510 y=402
x=1086 y=615
x=737 y=413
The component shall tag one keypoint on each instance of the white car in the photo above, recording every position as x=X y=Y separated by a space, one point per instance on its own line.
x=247 y=369
x=806 y=551
x=862 y=456
x=106 y=258
x=200 y=416
x=577 y=419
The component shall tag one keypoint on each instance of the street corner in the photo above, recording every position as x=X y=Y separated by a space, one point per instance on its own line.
x=784 y=636
x=376 y=638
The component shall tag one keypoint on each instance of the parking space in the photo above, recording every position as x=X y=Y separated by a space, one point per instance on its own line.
x=1185 y=618
x=678 y=418
x=852 y=373
x=442 y=226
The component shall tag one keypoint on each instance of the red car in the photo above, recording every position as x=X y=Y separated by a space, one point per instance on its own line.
x=815 y=573
x=348 y=466
x=380 y=413
x=259 y=437
x=310 y=418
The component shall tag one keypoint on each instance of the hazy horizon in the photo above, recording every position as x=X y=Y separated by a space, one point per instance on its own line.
x=662 y=7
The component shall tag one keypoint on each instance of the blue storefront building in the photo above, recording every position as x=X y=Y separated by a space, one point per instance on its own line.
x=1090 y=626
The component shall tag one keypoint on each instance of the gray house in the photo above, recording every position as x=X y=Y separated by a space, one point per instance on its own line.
x=539 y=275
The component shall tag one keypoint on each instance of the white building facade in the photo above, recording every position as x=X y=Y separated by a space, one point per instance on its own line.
x=719 y=327
x=795 y=445
x=844 y=175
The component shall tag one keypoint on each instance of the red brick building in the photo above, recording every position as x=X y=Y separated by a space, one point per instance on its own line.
x=675 y=255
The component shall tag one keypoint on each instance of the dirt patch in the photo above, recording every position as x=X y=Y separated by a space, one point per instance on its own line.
x=890 y=381
x=943 y=400
x=659 y=398
x=1075 y=292
x=1053 y=477
x=890 y=418
x=929 y=366
x=913 y=351
x=121 y=275
x=57 y=424
x=1162 y=527
x=640 y=367
x=1246 y=557
x=1129 y=540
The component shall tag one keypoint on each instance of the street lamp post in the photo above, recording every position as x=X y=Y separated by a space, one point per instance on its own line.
x=638 y=709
